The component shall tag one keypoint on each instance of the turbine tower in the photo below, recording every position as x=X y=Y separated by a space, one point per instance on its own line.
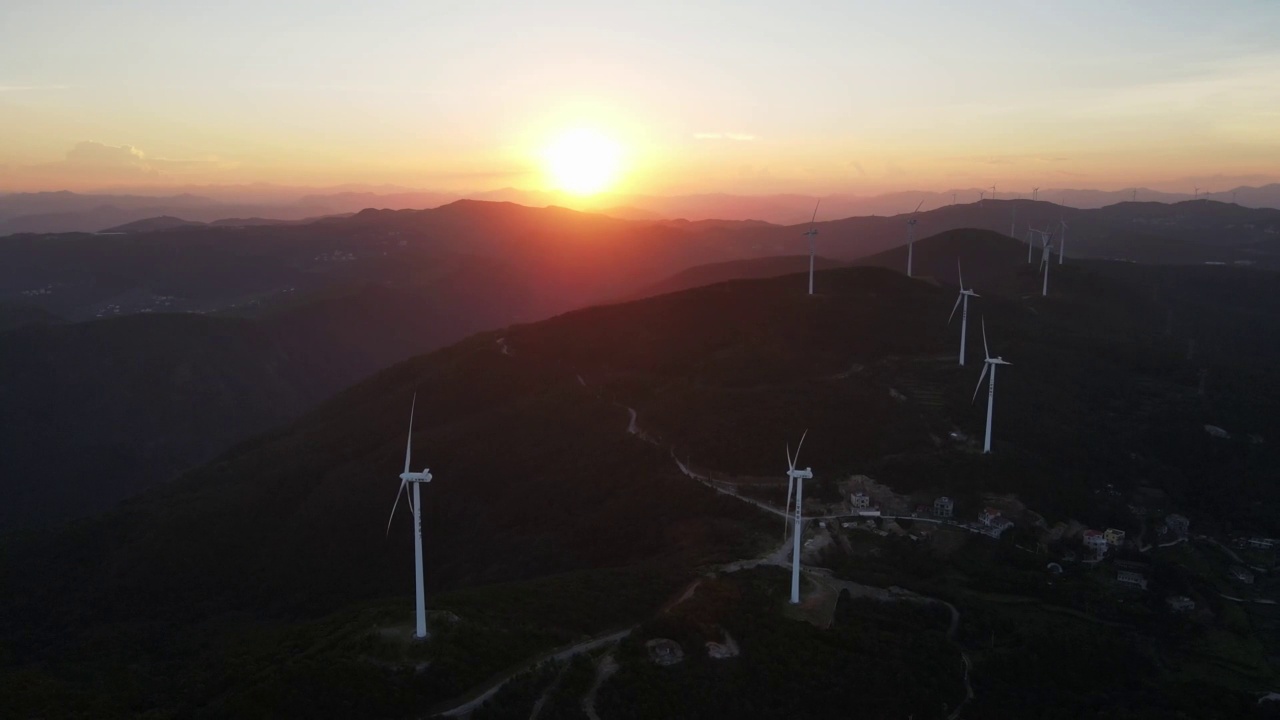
x=1045 y=256
x=1013 y=223
x=812 y=232
x=1062 y=241
x=990 y=364
x=797 y=477
x=416 y=479
x=1035 y=193
x=962 y=299
x=911 y=236
x=1030 y=240
x=993 y=192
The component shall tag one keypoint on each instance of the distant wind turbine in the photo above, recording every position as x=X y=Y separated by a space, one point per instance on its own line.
x=1062 y=241
x=1197 y=194
x=812 y=233
x=911 y=236
x=953 y=198
x=416 y=479
x=982 y=194
x=962 y=299
x=1135 y=194
x=990 y=364
x=993 y=192
x=1045 y=256
x=1013 y=223
x=1035 y=193
x=797 y=477
x=1030 y=240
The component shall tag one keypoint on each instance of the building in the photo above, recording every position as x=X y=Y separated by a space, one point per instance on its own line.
x=1095 y=542
x=1114 y=537
x=1241 y=573
x=1180 y=603
x=943 y=507
x=1178 y=525
x=860 y=501
x=987 y=515
x=1132 y=577
x=996 y=527
x=1260 y=543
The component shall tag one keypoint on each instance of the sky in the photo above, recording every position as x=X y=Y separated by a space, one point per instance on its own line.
x=737 y=97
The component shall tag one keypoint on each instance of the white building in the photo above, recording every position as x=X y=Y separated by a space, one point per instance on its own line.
x=996 y=527
x=860 y=501
x=988 y=515
x=1114 y=537
x=1095 y=542
x=1132 y=577
x=943 y=507
x=1180 y=603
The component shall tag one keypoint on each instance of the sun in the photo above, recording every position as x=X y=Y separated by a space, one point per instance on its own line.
x=583 y=161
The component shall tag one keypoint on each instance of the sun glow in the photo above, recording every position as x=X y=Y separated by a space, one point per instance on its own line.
x=583 y=161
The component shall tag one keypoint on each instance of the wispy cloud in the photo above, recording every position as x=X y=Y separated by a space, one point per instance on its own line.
x=740 y=137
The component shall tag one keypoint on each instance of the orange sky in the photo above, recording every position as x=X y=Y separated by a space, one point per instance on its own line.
x=726 y=97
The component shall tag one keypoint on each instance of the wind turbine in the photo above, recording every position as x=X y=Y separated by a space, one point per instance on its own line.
x=982 y=194
x=1062 y=241
x=1045 y=256
x=991 y=363
x=911 y=236
x=1030 y=241
x=1013 y=223
x=812 y=232
x=993 y=192
x=962 y=299
x=416 y=479
x=1035 y=193
x=797 y=477
x=1197 y=194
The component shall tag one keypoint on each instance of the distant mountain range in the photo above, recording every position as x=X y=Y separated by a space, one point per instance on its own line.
x=47 y=212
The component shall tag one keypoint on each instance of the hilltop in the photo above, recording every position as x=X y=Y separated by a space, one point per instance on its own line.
x=290 y=524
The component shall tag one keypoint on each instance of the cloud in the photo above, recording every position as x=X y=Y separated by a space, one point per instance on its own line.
x=739 y=137
x=96 y=154
x=96 y=163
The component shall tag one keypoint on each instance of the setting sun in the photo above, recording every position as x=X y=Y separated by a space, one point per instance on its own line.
x=583 y=161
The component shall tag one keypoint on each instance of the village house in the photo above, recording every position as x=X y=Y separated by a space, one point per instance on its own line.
x=1180 y=603
x=1131 y=573
x=1114 y=537
x=943 y=507
x=1178 y=525
x=1095 y=542
x=1260 y=543
x=987 y=515
x=663 y=651
x=860 y=501
x=996 y=527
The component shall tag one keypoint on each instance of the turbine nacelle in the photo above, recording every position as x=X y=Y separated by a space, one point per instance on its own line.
x=424 y=476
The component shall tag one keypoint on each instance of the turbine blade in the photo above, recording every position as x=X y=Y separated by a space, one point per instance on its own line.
x=957 y=307
x=985 y=351
x=918 y=207
x=983 y=376
x=959 y=274
x=790 y=463
x=815 y=212
x=395 y=505
x=797 y=459
x=408 y=446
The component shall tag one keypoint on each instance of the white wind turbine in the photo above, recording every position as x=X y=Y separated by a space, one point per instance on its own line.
x=795 y=480
x=812 y=232
x=1035 y=193
x=990 y=364
x=993 y=192
x=416 y=479
x=1062 y=241
x=1031 y=234
x=1045 y=256
x=962 y=299
x=911 y=236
